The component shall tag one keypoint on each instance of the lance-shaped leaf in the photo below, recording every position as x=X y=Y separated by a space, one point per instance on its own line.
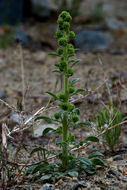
x=45 y=177
x=37 y=150
x=52 y=94
x=98 y=161
x=75 y=62
x=54 y=54
x=79 y=90
x=81 y=124
x=74 y=81
x=95 y=154
x=92 y=139
x=47 y=130
x=56 y=71
x=46 y=118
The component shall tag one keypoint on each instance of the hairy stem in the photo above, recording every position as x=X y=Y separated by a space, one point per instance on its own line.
x=65 y=118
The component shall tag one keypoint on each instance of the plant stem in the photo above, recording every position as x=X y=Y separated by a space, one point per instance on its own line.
x=65 y=118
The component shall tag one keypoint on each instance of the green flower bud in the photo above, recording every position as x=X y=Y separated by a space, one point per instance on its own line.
x=60 y=21
x=71 y=89
x=75 y=118
x=62 y=41
x=63 y=64
x=71 y=107
x=61 y=96
x=68 y=18
x=64 y=106
x=71 y=51
x=64 y=14
x=77 y=111
x=66 y=26
x=57 y=115
x=70 y=46
x=59 y=34
x=70 y=72
x=59 y=51
x=71 y=35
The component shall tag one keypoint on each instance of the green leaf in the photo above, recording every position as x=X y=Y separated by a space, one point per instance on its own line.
x=84 y=123
x=54 y=54
x=46 y=118
x=45 y=177
x=74 y=81
x=47 y=130
x=52 y=94
x=79 y=90
x=98 y=161
x=30 y=170
x=56 y=71
x=89 y=169
x=92 y=139
x=37 y=149
x=58 y=141
x=95 y=154
x=73 y=173
x=75 y=62
x=85 y=161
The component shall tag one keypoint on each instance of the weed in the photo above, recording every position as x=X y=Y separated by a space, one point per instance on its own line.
x=106 y=118
x=67 y=117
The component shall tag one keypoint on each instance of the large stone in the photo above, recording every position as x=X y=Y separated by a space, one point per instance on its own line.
x=11 y=11
x=93 y=40
x=43 y=8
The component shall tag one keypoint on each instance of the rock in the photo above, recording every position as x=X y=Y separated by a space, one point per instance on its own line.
x=11 y=11
x=40 y=128
x=114 y=24
x=43 y=8
x=113 y=172
x=93 y=40
x=77 y=185
x=21 y=37
x=3 y=95
x=20 y=118
x=39 y=56
x=117 y=157
x=46 y=187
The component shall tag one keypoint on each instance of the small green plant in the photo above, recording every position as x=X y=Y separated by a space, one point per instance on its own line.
x=7 y=39
x=106 y=118
x=68 y=115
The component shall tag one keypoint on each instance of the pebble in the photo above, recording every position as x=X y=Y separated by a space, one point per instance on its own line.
x=118 y=157
x=46 y=187
x=79 y=184
x=3 y=95
x=113 y=172
x=75 y=179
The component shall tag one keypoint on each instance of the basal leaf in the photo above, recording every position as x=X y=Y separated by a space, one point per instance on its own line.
x=30 y=170
x=98 y=161
x=45 y=177
x=95 y=154
x=73 y=173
